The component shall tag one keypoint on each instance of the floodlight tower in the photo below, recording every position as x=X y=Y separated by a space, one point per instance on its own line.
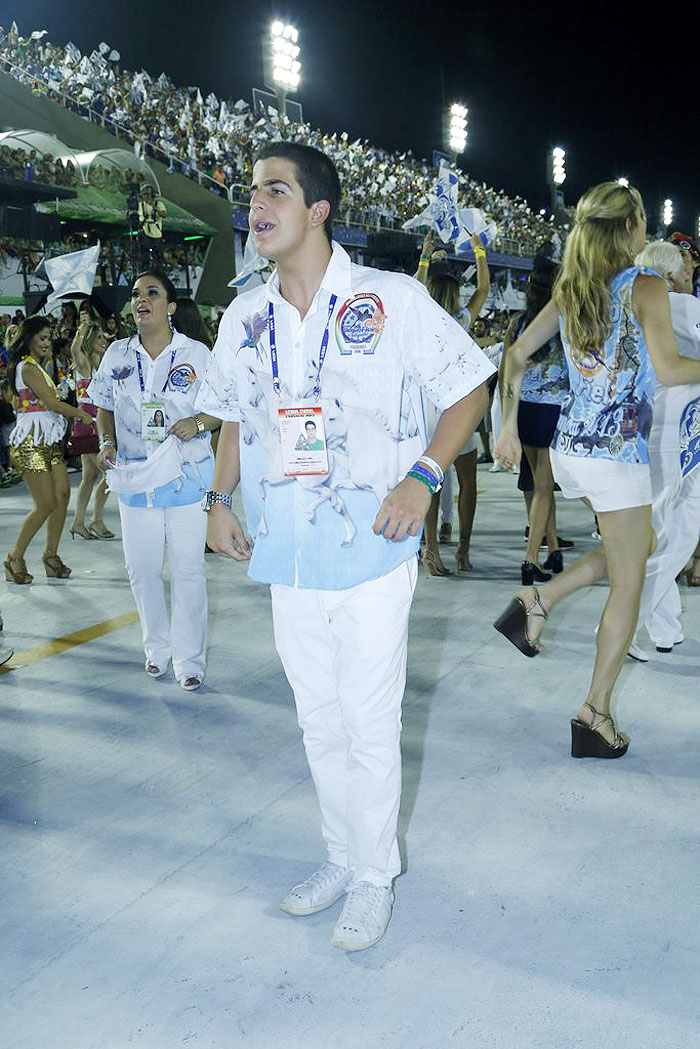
x=282 y=65
x=622 y=181
x=667 y=213
x=556 y=176
x=456 y=129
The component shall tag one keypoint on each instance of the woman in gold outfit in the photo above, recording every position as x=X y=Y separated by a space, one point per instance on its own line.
x=35 y=447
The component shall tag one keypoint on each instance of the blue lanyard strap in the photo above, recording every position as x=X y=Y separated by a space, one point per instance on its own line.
x=321 y=352
x=140 y=370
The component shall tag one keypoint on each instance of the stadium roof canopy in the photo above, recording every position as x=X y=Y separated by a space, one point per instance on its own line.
x=93 y=207
x=26 y=140
x=122 y=159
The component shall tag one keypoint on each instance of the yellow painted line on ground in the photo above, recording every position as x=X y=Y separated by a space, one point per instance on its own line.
x=62 y=644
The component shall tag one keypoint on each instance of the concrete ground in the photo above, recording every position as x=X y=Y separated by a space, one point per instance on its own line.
x=148 y=833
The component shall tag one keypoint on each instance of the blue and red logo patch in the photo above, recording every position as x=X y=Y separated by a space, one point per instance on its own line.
x=360 y=323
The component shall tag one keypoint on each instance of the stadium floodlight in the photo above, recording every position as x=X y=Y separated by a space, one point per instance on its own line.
x=457 y=128
x=698 y=227
x=623 y=182
x=667 y=214
x=558 y=166
x=284 y=56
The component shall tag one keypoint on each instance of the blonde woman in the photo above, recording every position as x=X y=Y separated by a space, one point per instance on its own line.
x=87 y=350
x=615 y=324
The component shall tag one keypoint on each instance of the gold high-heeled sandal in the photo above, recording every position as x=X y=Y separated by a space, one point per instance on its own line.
x=55 y=567
x=16 y=570
x=433 y=564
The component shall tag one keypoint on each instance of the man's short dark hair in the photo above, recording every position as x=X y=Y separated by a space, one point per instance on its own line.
x=315 y=172
x=310 y=422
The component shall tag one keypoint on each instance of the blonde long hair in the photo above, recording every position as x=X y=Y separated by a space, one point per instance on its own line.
x=85 y=358
x=597 y=248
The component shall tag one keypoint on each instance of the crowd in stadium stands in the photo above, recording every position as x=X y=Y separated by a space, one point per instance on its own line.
x=207 y=136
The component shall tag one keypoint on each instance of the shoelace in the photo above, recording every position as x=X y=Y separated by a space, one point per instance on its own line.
x=363 y=900
x=328 y=872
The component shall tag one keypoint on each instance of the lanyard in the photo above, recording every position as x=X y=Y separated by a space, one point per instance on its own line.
x=321 y=352
x=170 y=368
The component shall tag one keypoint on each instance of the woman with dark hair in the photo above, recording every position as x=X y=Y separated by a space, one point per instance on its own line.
x=615 y=323
x=188 y=320
x=444 y=288
x=36 y=447
x=544 y=389
x=157 y=453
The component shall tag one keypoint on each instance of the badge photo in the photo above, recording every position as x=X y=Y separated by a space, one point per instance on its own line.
x=153 y=425
x=303 y=438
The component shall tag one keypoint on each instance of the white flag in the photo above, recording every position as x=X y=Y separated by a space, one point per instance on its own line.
x=72 y=274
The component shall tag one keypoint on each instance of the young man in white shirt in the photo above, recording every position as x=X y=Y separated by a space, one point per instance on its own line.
x=336 y=531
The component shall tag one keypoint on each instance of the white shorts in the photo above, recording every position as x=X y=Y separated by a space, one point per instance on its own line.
x=607 y=484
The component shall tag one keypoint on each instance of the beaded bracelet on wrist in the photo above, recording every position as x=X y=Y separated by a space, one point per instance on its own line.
x=432 y=486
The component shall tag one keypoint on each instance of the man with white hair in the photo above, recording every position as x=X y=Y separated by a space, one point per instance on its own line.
x=674 y=458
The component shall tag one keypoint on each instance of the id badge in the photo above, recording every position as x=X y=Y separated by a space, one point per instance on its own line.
x=303 y=439
x=153 y=421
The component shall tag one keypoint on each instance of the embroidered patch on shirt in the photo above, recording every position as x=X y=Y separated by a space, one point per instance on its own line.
x=182 y=377
x=359 y=324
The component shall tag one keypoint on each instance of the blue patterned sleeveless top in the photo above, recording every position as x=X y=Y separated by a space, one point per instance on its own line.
x=546 y=378
x=609 y=410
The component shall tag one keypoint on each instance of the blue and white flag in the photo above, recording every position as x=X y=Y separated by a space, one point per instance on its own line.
x=441 y=213
x=252 y=264
x=690 y=437
x=72 y=274
x=454 y=225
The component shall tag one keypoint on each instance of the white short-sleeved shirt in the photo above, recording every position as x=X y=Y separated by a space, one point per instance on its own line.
x=673 y=442
x=388 y=340
x=173 y=377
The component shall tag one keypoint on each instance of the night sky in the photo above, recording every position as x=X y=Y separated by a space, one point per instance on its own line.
x=600 y=80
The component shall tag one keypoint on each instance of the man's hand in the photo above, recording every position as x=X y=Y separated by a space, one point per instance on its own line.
x=225 y=535
x=403 y=511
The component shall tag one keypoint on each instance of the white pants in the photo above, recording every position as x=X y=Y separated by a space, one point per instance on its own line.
x=146 y=533
x=675 y=517
x=344 y=654
x=676 y=521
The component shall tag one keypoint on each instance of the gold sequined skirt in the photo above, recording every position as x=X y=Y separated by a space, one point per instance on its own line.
x=40 y=458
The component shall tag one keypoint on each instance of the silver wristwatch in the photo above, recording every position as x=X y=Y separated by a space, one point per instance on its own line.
x=215 y=497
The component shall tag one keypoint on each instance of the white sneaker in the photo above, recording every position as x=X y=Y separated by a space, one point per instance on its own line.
x=321 y=890
x=365 y=916
x=635 y=652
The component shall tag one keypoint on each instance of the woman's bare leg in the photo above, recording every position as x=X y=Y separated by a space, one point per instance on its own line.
x=542 y=499
x=82 y=497
x=628 y=539
x=101 y=493
x=41 y=489
x=465 y=465
x=57 y=517
x=432 y=548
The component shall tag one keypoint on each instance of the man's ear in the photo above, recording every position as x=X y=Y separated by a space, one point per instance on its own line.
x=320 y=212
